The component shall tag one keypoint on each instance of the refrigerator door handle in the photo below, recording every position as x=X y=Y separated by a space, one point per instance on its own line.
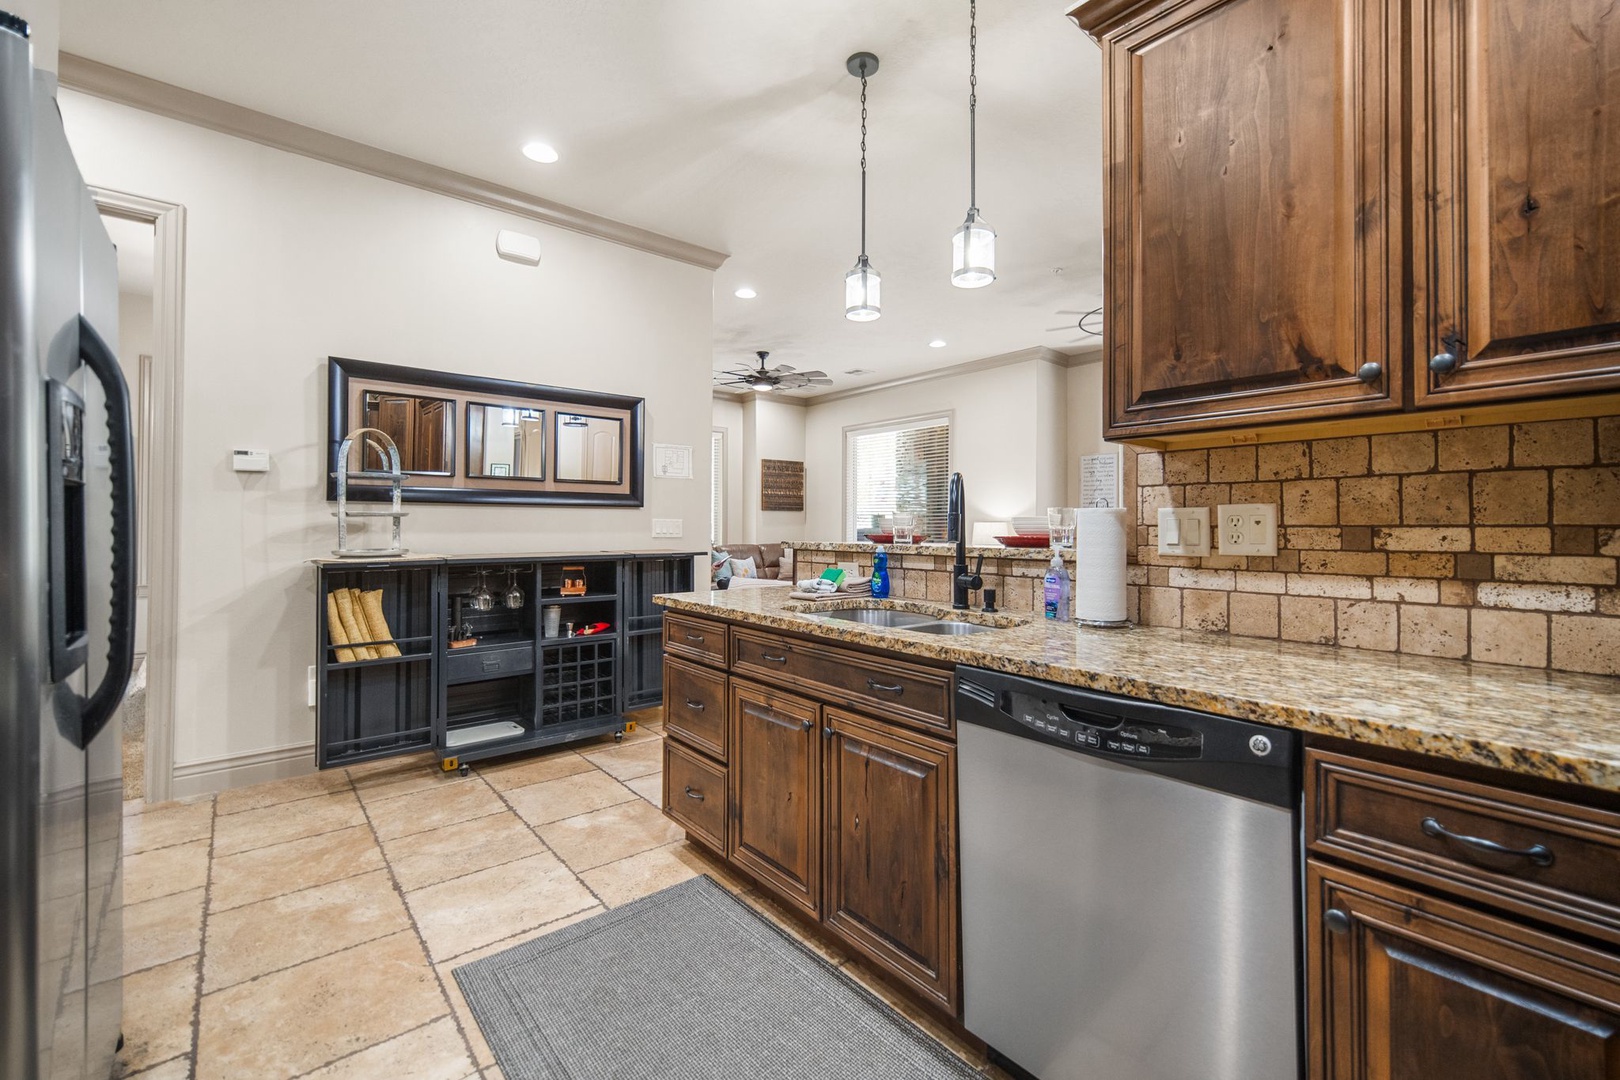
x=100 y=706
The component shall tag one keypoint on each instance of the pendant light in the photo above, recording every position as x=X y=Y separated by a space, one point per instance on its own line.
x=973 y=248
x=863 y=286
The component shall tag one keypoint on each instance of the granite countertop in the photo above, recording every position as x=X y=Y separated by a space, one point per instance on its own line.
x=1549 y=724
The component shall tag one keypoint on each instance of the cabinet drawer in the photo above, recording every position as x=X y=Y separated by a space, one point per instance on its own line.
x=695 y=795
x=474 y=664
x=891 y=689
x=1546 y=859
x=695 y=706
x=695 y=639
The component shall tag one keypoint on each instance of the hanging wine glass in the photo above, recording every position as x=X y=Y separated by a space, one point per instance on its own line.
x=514 y=593
x=481 y=598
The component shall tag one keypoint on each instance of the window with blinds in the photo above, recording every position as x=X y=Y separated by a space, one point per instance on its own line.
x=898 y=466
x=717 y=488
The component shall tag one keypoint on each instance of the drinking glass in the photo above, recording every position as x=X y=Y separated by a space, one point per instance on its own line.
x=904 y=528
x=514 y=593
x=481 y=598
x=1060 y=527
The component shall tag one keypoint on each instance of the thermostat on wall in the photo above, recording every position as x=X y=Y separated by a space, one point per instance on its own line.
x=250 y=460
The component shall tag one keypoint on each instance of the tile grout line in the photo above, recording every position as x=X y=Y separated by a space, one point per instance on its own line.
x=354 y=1053
x=202 y=941
x=535 y=831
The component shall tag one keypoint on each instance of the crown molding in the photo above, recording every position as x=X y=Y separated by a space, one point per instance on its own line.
x=165 y=99
x=1035 y=354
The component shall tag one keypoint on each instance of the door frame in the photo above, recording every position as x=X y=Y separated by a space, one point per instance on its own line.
x=160 y=517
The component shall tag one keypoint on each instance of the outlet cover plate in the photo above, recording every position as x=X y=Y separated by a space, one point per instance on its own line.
x=1248 y=528
x=1184 y=530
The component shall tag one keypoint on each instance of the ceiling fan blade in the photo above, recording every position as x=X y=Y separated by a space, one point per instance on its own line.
x=821 y=382
x=814 y=374
x=781 y=369
x=1066 y=311
x=1065 y=326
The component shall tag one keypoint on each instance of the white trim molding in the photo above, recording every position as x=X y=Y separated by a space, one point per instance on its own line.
x=1022 y=356
x=242 y=770
x=177 y=103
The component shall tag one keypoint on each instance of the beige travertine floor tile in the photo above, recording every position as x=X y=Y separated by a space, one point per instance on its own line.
x=174 y=1069
x=165 y=871
x=247 y=942
x=470 y=912
x=702 y=862
x=433 y=1052
x=441 y=854
x=168 y=824
x=452 y=990
x=296 y=864
x=158 y=1004
x=325 y=782
x=521 y=772
x=649 y=787
x=289 y=1022
x=778 y=913
x=568 y=797
x=286 y=821
x=639 y=875
x=630 y=760
x=387 y=779
x=605 y=836
x=134 y=806
x=158 y=931
x=433 y=809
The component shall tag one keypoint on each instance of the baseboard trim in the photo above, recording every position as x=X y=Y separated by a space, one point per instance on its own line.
x=242 y=770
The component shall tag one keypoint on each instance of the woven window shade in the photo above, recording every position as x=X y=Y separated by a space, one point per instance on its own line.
x=904 y=466
x=717 y=488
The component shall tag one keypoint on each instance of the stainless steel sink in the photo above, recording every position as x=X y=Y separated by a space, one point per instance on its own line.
x=906 y=620
x=954 y=629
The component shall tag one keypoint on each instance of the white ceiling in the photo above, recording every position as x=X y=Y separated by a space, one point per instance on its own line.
x=728 y=123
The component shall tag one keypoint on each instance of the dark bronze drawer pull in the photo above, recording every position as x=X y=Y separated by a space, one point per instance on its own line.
x=873 y=684
x=691 y=794
x=769 y=659
x=693 y=637
x=695 y=706
x=1540 y=854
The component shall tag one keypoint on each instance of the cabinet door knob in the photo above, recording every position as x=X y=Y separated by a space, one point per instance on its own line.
x=808 y=724
x=1443 y=363
x=1337 y=921
x=826 y=732
x=1370 y=372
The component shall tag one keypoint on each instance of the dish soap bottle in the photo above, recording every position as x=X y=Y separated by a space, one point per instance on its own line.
x=880 y=574
x=1058 y=590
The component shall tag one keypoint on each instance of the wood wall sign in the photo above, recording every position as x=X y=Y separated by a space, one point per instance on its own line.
x=781 y=485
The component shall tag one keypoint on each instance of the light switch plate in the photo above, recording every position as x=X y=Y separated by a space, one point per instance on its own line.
x=667 y=527
x=1184 y=530
x=1248 y=528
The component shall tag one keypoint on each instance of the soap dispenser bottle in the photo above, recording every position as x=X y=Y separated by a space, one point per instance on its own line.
x=1058 y=591
x=880 y=574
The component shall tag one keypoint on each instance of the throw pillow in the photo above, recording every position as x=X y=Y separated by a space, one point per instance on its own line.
x=743 y=568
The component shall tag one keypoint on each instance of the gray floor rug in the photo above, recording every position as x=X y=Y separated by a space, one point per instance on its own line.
x=688 y=984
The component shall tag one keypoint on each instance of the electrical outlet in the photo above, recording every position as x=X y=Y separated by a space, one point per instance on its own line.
x=1184 y=530
x=1248 y=528
x=667 y=527
x=850 y=569
x=312 y=686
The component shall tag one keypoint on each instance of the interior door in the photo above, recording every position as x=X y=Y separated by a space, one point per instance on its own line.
x=1518 y=275
x=1250 y=255
x=775 y=781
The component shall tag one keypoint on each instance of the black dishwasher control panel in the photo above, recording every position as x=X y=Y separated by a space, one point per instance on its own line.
x=1102 y=732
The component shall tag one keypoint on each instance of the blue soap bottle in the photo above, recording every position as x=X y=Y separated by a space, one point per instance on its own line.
x=880 y=575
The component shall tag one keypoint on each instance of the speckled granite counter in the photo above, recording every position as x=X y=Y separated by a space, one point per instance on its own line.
x=1548 y=724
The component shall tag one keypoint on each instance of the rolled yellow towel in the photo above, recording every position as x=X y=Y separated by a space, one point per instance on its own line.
x=334 y=628
x=351 y=625
x=371 y=606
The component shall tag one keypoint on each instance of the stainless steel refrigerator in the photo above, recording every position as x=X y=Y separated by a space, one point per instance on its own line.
x=67 y=559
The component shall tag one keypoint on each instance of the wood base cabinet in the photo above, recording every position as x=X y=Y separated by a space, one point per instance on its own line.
x=775 y=787
x=1410 y=987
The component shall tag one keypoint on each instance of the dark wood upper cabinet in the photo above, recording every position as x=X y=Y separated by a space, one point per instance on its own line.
x=1517 y=152
x=1250 y=262
x=775 y=787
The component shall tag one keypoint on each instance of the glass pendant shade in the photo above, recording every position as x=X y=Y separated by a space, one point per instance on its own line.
x=863 y=292
x=973 y=253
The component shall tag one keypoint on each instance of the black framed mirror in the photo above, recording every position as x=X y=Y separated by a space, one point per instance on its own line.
x=515 y=448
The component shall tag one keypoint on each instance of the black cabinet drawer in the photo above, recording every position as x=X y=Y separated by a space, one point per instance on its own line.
x=472 y=665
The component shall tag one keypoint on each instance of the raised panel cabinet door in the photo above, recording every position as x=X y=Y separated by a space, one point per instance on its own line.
x=775 y=778
x=890 y=840
x=1250 y=263
x=1518 y=159
x=1404 y=986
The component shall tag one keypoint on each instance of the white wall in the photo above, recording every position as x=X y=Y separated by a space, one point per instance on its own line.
x=771 y=429
x=134 y=333
x=1007 y=439
x=44 y=18
x=728 y=417
x=1083 y=417
x=289 y=260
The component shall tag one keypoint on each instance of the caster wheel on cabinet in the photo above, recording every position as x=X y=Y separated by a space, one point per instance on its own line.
x=465 y=770
x=618 y=736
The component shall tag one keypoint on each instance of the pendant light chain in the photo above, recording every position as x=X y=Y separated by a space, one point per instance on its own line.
x=863 y=166
x=973 y=103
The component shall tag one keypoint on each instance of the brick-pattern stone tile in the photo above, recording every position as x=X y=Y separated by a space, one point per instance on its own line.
x=1306 y=618
x=1283 y=461
x=1509 y=637
x=1435 y=499
x=1412 y=452
x=1475 y=449
x=1510 y=498
x=1340 y=457
x=1253 y=615
x=1554 y=442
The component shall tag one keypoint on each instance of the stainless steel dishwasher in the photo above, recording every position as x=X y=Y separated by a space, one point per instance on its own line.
x=1130 y=886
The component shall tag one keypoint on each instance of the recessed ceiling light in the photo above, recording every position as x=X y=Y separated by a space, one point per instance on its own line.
x=539 y=151
x=936 y=344
x=745 y=293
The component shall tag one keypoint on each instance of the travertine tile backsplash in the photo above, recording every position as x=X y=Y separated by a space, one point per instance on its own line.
x=1495 y=543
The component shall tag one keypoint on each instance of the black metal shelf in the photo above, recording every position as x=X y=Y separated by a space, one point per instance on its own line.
x=588 y=598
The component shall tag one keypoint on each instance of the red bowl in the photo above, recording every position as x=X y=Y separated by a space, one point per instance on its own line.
x=1022 y=541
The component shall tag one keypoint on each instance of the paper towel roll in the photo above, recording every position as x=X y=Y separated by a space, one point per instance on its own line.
x=1099 y=565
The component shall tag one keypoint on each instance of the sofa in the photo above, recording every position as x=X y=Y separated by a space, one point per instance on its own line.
x=767 y=561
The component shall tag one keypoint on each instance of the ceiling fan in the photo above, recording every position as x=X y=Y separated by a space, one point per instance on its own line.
x=780 y=377
x=1088 y=323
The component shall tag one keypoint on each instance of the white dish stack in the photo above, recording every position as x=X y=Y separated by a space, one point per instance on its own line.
x=1099 y=567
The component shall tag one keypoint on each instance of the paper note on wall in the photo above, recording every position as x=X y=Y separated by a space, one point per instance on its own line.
x=1099 y=479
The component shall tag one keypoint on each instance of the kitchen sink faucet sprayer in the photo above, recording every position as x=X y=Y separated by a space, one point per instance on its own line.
x=962 y=582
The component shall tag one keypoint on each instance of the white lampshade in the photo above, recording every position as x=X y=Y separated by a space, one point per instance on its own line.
x=973 y=253
x=863 y=292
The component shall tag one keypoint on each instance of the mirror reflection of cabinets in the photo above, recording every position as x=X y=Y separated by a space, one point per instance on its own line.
x=523 y=443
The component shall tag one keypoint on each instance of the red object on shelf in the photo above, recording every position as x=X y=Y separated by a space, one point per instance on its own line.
x=888 y=538
x=593 y=628
x=1022 y=541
